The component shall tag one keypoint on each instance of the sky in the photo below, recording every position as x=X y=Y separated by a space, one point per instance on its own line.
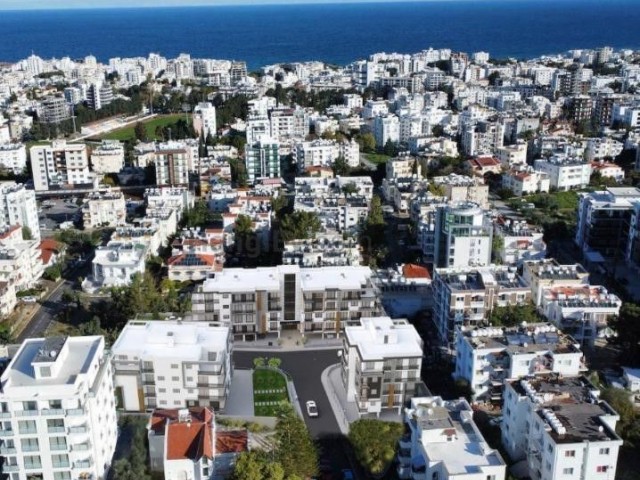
x=72 y=4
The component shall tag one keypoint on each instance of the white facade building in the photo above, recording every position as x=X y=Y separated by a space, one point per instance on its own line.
x=525 y=180
x=59 y=165
x=565 y=173
x=18 y=206
x=58 y=408
x=204 y=119
x=114 y=264
x=13 y=156
x=444 y=443
x=519 y=241
x=104 y=209
x=381 y=363
x=108 y=157
x=386 y=128
x=172 y=364
x=561 y=428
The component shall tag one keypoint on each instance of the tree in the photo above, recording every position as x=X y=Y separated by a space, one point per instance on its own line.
x=258 y=362
x=340 y=167
x=437 y=131
x=53 y=273
x=390 y=148
x=374 y=443
x=497 y=244
x=627 y=325
x=141 y=132
x=350 y=189
x=367 y=142
x=494 y=78
x=5 y=334
x=513 y=315
x=372 y=237
x=257 y=465
x=299 y=225
x=274 y=362
x=295 y=449
x=26 y=233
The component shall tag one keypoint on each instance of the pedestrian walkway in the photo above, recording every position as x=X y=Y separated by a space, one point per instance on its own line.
x=344 y=410
x=288 y=343
x=240 y=400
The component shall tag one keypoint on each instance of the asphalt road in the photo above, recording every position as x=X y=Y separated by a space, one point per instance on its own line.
x=305 y=368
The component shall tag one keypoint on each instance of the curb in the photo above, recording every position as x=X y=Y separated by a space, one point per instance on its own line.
x=338 y=413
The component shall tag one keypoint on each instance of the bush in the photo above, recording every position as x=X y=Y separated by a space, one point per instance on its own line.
x=374 y=443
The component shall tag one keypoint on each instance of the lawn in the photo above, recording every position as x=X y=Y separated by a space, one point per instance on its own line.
x=128 y=133
x=269 y=389
x=377 y=157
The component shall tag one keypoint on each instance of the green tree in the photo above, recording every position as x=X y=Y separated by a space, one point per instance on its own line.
x=299 y=225
x=350 y=189
x=390 y=149
x=497 y=244
x=494 y=78
x=53 y=273
x=258 y=362
x=627 y=326
x=513 y=315
x=295 y=449
x=437 y=190
x=5 y=334
x=372 y=238
x=274 y=362
x=26 y=233
x=341 y=167
x=374 y=443
x=140 y=132
x=367 y=142
x=257 y=465
x=437 y=131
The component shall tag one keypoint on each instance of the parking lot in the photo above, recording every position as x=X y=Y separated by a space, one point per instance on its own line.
x=52 y=213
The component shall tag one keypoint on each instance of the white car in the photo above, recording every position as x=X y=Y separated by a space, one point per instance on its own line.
x=312 y=409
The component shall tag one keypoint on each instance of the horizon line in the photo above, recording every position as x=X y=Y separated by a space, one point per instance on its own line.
x=250 y=3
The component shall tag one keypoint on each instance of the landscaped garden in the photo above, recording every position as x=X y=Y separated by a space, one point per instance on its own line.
x=269 y=391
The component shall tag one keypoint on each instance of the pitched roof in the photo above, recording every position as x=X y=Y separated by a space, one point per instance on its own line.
x=234 y=441
x=186 y=440
x=411 y=270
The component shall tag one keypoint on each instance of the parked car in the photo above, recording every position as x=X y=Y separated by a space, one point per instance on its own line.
x=312 y=409
x=347 y=474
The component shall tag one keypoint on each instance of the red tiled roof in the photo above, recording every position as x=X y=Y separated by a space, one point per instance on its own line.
x=189 y=440
x=9 y=231
x=235 y=441
x=177 y=260
x=485 y=161
x=411 y=270
x=48 y=247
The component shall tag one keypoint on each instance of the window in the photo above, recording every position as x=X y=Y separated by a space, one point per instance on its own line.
x=27 y=426
x=604 y=451
x=602 y=468
x=55 y=425
x=31 y=406
x=162 y=390
x=61 y=476
x=160 y=378
x=29 y=444
x=176 y=390
x=45 y=372
x=567 y=471
x=55 y=404
x=174 y=365
x=570 y=453
x=60 y=461
x=175 y=379
x=550 y=448
x=58 y=443
x=32 y=461
x=189 y=379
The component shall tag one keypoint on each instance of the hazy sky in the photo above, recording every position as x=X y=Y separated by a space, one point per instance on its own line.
x=49 y=4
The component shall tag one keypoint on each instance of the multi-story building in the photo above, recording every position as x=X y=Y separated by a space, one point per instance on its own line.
x=466 y=296
x=543 y=274
x=581 y=310
x=18 y=206
x=461 y=188
x=608 y=170
x=271 y=300
x=104 y=209
x=381 y=364
x=99 y=95
x=402 y=167
x=173 y=162
x=463 y=236
x=488 y=356
x=13 y=156
x=599 y=148
x=176 y=198
x=289 y=123
x=204 y=119
x=444 y=443
x=561 y=427
x=262 y=159
x=108 y=157
x=565 y=173
x=169 y=363
x=604 y=221
x=518 y=242
x=386 y=128
x=54 y=110
x=525 y=180
x=482 y=137
x=58 y=410
x=322 y=252
x=59 y=165
x=114 y=264
x=20 y=259
x=512 y=155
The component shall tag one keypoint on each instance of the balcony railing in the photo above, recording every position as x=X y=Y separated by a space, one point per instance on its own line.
x=7 y=450
x=53 y=412
x=80 y=429
x=27 y=413
x=59 y=448
x=55 y=430
x=80 y=447
x=61 y=464
x=10 y=468
x=82 y=464
x=5 y=414
x=6 y=433
x=76 y=412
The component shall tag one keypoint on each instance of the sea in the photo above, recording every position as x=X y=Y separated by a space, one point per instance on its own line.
x=336 y=33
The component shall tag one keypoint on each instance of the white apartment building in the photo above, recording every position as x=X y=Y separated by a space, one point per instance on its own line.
x=104 y=209
x=444 y=443
x=352 y=100
x=402 y=167
x=381 y=362
x=598 y=148
x=172 y=364
x=561 y=428
x=465 y=296
x=315 y=153
x=13 y=156
x=271 y=300
x=482 y=138
x=8 y=299
x=114 y=264
x=108 y=157
x=173 y=162
x=463 y=236
x=525 y=180
x=462 y=188
x=288 y=123
x=374 y=108
x=58 y=410
x=486 y=357
x=59 y=165
x=386 y=128
x=565 y=173
x=322 y=252
x=172 y=198
x=18 y=206
x=519 y=241
x=257 y=126
x=580 y=310
x=541 y=275
x=608 y=170
x=204 y=119
x=20 y=260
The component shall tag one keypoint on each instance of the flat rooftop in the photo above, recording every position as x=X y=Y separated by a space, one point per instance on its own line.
x=481 y=278
x=81 y=352
x=377 y=338
x=187 y=341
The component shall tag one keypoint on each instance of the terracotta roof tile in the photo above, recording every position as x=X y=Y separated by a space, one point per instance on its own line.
x=186 y=440
x=411 y=270
x=235 y=441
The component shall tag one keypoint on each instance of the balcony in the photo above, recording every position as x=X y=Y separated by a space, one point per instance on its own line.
x=27 y=413
x=51 y=412
x=6 y=433
x=405 y=442
x=80 y=447
x=5 y=414
x=404 y=456
x=61 y=464
x=76 y=412
x=7 y=450
x=10 y=468
x=59 y=448
x=83 y=464
x=56 y=430
x=79 y=429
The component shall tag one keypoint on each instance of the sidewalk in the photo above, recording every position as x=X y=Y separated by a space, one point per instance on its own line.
x=344 y=411
x=287 y=344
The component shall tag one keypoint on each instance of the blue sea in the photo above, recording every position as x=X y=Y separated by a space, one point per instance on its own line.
x=335 y=33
